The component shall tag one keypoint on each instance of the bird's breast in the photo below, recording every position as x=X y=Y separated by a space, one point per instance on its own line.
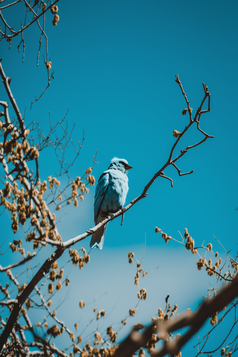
x=115 y=196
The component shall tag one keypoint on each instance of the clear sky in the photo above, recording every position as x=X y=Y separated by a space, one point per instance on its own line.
x=114 y=66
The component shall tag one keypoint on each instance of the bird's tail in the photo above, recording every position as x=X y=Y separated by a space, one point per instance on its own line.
x=97 y=239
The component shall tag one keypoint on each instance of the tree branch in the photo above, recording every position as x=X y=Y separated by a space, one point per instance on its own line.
x=162 y=328
x=29 y=257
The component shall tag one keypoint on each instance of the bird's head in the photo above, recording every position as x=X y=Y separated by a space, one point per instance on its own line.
x=120 y=164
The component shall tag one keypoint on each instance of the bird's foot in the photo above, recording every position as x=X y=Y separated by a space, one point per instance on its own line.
x=122 y=216
x=111 y=215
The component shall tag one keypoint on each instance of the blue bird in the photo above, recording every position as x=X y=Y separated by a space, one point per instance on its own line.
x=110 y=196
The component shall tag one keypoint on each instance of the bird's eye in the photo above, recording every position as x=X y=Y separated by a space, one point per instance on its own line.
x=122 y=162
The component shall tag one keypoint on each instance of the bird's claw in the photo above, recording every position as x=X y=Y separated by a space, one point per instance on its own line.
x=122 y=216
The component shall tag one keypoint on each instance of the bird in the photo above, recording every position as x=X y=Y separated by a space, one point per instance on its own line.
x=110 y=196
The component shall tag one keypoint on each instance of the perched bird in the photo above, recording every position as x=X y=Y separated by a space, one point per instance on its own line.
x=110 y=196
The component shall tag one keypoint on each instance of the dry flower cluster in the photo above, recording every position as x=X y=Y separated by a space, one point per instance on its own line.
x=77 y=260
x=24 y=199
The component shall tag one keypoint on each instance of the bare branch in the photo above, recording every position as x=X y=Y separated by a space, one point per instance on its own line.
x=6 y=82
x=22 y=298
x=168 y=178
x=15 y=33
x=179 y=171
x=177 y=80
x=162 y=328
x=9 y=302
x=11 y=4
x=29 y=257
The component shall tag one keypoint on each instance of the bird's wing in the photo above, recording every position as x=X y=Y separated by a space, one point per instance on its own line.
x=100 y=192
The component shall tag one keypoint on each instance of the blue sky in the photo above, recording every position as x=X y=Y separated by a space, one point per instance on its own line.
x=115 y=64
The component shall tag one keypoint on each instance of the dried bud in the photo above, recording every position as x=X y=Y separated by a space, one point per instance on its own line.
x=143 y=294
x=113 y=337
x=28 y=304
x=132 y=312
x=58 y=285
x=50 y=288
x=100 y=314
x=186 y=234
x=13 y=247
x=56 y=18
x=176 y=133
x=91 y=180
x=48 y=65
x=76 y=349
x=209 y=247
x=88 y=171
x=52 y=275
x=54 y=265
x=200 y=264
x=54 y=313
x=109 y=330
x=81 y=304
x=97 y=336
x=67 y=281
x=54 y=9
x=72 y=336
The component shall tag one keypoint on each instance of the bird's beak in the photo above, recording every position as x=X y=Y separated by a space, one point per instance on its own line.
x=128 y=167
